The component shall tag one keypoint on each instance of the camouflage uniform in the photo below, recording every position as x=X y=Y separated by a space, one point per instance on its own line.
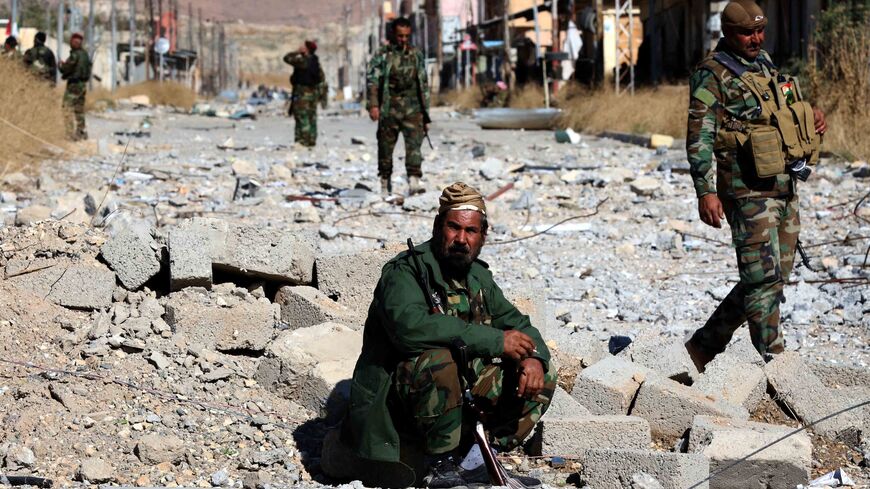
x=398 y=85
x=41 y=60
x=428 y=387
x=308 y=91
x=762 y=212
x=76 y=71
x=406 y=381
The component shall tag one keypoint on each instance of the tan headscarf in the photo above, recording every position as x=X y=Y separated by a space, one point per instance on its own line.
x=459 y=197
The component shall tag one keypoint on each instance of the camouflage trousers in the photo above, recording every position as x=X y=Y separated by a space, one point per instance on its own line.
x=764 y=232
x=405 y=117
x=74 y=109
x=429 y=392
x=305 y=115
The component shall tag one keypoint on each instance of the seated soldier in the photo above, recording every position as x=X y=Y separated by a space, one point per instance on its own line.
x=407 y=379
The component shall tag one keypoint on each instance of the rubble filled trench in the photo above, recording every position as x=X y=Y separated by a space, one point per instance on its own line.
x=182 y=300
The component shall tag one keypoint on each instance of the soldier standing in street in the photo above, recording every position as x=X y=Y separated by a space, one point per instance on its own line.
x=398 y=99
x=40 y=59
x=76 y=70
x=309 y=88
x=753 y=119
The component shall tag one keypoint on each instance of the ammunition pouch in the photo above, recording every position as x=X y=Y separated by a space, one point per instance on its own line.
x=765 y=145
x=796 y=126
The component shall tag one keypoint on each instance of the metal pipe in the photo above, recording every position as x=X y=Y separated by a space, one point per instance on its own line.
x=59 y=37
x=131 y=62
x=114 y=48
x=538 y=54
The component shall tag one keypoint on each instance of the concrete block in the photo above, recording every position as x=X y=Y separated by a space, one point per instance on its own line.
x=303 y=306
x=351 y=279
x=533 y=303
x=576 y=434
x=131 y=254
x=838 y=375
x=239 y=325
x=724 y=441
x=564 y=406
x=615 y=469
x=31 y=215
x=740 y=348
x=86 y=286
x=267 y=253
x=609 y=386
x=742 y=384
x=190 y=256
x=799 y=388
x=670 y=406
x=669 y=359
x=312 y=366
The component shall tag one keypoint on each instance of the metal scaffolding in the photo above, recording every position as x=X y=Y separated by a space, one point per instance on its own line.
x=624 y=8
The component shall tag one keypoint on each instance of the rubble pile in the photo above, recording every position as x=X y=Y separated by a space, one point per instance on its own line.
x=158 y=326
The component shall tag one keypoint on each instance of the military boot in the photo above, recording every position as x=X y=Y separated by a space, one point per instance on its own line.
x=444 y=473
x=414 y=186
x=386 y=187
x=700 y=356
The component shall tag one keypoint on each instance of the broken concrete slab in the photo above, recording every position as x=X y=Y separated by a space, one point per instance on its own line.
x=303 y=306
x=564 y=406
x=131 y=254
x=271 y=254
x=614 y=469
x=725 y=441
x=351 y=279
x=31 y=215
x=805 y=394
x=252 y=251
x=313 y=365
x=532 y=302
x=237 y=325
x=86 y=286
x=609 y=386
x=670 y=406
x=576 y=434
x=190 y=256
x=742 y=384
x=669 y=358
x=839 y=376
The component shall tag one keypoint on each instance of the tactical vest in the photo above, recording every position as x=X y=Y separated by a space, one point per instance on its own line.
x=781 y=131
x=308 y=77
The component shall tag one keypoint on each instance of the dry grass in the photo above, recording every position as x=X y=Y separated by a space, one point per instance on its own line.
x=661 y=111
x=166 y=93
x=33 y=107
x=278 y=80
x=461 y=99
x=841 y=83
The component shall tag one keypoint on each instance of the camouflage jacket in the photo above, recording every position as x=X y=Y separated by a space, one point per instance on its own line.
x=317 y=93
x=399 y=327
x=714 y=95
x=41 y=61
x=389 y=62
x=77 y=68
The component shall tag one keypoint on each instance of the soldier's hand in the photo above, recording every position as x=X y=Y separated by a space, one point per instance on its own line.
x=375 y=113
x=820 y=122
x=531 y=378
x=710 y=210
x=517 y=345
x=426 y=127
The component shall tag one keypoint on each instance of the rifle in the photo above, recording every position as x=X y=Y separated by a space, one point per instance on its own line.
x=432 y=299
x=426 y=121
x=467 y=378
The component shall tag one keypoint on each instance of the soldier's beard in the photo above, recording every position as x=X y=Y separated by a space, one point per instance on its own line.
x=455 y=258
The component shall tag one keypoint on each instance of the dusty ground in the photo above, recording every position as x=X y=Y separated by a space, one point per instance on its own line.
x=640 y=264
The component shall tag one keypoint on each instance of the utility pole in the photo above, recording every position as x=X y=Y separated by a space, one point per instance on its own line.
x=200 y=49
x=346 y=80
x=14 y=20
x=147 y=44
x=222 y=63
x=190 y=26
x=114 y=48
x=439 y=49
x=131 y=62
x=506 y=63
x=160 y=19
x=59 y=38
x=91 y=44
x=213 y=57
